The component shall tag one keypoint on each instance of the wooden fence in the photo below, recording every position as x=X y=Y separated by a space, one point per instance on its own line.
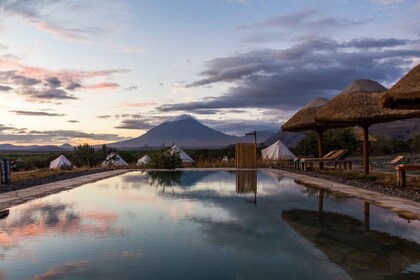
x=245 y=155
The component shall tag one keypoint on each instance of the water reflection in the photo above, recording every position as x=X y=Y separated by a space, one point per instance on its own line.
x=246 y=182
x=351 y=244
x=41 y=218
x=130 y=227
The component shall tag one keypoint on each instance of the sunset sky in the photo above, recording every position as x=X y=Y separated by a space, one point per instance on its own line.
x=103 y=71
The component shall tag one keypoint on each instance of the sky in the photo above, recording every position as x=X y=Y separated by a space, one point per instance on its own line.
x=103 y=71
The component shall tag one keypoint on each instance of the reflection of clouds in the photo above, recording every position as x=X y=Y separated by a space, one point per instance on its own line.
x=242 y=235
x=41 y=218
x=124 y=254
x=68 y=270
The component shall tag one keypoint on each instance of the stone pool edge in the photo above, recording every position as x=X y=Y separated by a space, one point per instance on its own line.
x=13 y=198
x=405 y=208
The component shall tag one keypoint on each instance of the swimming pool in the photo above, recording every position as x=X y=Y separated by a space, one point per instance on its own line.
x=205 y=225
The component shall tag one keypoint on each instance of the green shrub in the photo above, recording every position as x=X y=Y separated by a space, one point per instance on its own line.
x=165 y=159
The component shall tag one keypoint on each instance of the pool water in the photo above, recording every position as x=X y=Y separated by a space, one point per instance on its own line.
x=205 y=225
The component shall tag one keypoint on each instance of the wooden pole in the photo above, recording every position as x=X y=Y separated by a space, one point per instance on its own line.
x=320 y=151
x=365 y=150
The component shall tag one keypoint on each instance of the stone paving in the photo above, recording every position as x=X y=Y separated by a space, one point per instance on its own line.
x=405 y=208
x=13 y=198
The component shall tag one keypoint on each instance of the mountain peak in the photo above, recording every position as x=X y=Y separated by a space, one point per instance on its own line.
x=182 y=117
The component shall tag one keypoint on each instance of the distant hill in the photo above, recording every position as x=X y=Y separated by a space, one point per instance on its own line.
x=186 y=132
x=290 y=139
x=31 y=148
x=400 y=130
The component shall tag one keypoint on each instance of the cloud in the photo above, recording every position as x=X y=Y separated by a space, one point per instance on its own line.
x=103 y=86
x=134 y=50
x=57 y=17
x=42 y=85
x=308 y=20
x=36 y=113
x=72 y=121
x=387 y=2
x=13 y=134
x=104 y=116
x=5 y=88
x=130 y=88
x=135 y=124
x=288 y=78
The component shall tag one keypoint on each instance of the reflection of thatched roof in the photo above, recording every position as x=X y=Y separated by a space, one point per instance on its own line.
x=405 y=94
x=363 y=254
x=359 y=104
x=304 y=119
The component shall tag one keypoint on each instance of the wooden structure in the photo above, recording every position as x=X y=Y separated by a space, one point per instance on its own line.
x=401 y=172
x=245 y=155
x=304 y=120
x=359 y=104
x=334 y=157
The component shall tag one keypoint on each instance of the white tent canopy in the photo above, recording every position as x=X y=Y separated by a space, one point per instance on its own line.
x=277 y=151
x=60 y=162
x=183 y=155
x=113 y=160
x=144 y=160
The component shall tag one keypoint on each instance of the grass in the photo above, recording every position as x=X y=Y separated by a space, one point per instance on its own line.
x=40 y=173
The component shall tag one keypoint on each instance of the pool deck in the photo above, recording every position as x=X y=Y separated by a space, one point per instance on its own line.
x=405 y=208
x=14 y=198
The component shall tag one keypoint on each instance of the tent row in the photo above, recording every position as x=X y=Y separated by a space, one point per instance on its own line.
x=115 y=160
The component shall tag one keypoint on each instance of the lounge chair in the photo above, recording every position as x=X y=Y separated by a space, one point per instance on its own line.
x=334 y=157
x=394 y=162
x=326 y=156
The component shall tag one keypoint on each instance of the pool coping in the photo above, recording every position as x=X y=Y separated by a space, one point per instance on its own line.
x=13 y=198
x=405 y=208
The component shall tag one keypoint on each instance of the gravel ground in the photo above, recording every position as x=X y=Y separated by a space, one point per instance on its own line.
x=49 y=179
x=365 y=184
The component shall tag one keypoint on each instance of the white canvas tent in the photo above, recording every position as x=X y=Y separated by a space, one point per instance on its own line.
x=277 y=151
x=144 y=160
x=183 y=155
x=60 y=162
x=113 y=160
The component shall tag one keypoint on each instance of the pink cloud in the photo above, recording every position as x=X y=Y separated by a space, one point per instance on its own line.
x=133 y=50
x=103 y=86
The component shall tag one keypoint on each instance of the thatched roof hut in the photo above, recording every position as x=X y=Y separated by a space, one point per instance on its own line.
x=359 y=104
x=405 y=94
x=304 y=120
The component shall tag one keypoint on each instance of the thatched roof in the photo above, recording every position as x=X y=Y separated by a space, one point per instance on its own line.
x=358 y=134
x=405 y=94
x=359 y=104
x=304 y=119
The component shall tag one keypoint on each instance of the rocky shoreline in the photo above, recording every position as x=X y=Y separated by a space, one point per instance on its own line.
x=407 y=193
x=46 y=180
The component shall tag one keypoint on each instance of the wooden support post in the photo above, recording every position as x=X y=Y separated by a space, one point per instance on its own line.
x=365 y=150
x=320 y=151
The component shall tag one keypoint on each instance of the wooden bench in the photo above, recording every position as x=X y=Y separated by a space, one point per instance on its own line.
x=401 y=172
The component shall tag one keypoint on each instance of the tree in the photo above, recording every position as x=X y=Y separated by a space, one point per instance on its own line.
x=334 y=139
x=84 y=155
x=165 y=159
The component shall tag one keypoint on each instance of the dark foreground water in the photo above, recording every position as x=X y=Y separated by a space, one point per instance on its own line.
x=205 y=225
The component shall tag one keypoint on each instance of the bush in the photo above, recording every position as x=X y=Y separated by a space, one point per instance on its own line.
x=165 y=159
